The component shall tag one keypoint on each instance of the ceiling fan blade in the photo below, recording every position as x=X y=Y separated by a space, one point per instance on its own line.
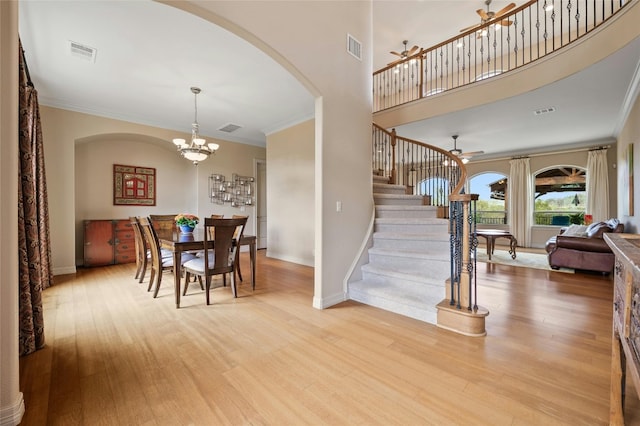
x=396 y=53
x=504 y=23
x=413 y=50
x=469 y=28
x=504 y=10
x=471 y=154
x=483 y=14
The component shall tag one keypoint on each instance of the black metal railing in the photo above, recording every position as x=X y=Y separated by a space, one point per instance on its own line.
x=424 y=169
x=491 y=217
x=462 y=290
x=526 y=34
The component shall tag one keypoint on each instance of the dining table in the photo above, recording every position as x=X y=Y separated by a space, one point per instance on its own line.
x=178 y=242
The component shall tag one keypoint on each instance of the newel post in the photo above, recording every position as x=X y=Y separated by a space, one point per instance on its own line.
x=460 y=312
x=394 y=171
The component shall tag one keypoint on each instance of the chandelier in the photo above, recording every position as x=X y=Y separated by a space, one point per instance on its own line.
x=197 y=149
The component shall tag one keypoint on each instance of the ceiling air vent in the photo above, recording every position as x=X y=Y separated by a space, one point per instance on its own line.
x=228 y=128
x=544 y=111
x=354 y=47
x=82 y=51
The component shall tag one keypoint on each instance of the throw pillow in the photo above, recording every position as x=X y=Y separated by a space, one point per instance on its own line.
x=575 y=231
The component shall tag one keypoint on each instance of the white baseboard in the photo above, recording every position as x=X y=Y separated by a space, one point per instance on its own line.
x=12 y=415
x=63 y=270
x=326 y=302
x=292 y=259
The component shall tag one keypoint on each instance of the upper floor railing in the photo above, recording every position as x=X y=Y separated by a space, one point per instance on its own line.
x=529 y=32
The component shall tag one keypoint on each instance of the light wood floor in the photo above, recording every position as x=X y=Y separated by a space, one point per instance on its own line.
x=116 y=356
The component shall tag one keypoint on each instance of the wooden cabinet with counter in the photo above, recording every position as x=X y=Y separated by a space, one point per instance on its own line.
x=107 y=242
x=625 y=361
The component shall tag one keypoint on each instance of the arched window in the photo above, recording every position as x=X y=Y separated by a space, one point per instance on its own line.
x=560 y=196
x=491 y=189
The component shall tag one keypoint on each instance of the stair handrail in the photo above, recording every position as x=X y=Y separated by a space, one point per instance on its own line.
x=394 y=155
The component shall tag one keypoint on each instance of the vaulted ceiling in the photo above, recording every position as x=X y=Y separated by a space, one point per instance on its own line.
x=150 y=54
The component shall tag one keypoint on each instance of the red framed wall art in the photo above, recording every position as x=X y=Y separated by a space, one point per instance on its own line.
x=134 y=185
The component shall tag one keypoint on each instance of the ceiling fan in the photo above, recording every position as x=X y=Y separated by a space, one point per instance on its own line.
x=488 y=15
x=405 y=53
x=464 y=156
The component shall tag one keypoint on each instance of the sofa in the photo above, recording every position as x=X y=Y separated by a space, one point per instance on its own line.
x=583 y=247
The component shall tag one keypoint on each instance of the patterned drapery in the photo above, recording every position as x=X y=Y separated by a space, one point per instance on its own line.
x=34 y=250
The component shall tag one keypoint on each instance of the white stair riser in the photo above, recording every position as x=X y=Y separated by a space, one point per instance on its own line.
x=405 y=244
x=389 y=189
x=425 y=312
x=414 y=213
x=407 y=200
x=376 y=275
x=410 y=228
x=423 y=299
x=435 y=267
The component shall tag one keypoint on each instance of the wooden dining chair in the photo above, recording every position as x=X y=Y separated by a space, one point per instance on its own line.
x=164 y=221
x=142 y=252
x=159 y=264
x=239 y=272
x=212 y=231
x=221 y=259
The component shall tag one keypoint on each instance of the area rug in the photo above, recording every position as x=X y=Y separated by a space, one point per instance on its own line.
x=523 y=259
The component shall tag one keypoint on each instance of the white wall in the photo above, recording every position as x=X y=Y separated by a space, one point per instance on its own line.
x=630 y=134
x=80 y=179
x=290 y=189
x=94 y=160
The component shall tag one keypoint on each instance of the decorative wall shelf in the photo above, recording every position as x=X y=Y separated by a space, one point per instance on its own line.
x=239 y=191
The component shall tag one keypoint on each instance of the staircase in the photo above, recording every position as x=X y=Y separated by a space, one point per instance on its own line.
x=409 y=260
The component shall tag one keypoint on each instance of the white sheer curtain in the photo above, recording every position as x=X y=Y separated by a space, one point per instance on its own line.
x=520 y=200
x=598 y=185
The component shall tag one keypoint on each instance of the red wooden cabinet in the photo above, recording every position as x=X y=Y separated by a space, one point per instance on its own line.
x=107 y=242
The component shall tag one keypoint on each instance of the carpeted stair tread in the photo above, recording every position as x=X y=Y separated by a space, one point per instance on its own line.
x=435 y=254
x=435 y=236
x=407 y=300
x=391 y=207
x=380 y=179
x=393 y=275
x=387 y=188
x=413 y=220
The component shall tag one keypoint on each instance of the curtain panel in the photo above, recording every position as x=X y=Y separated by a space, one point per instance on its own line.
x=520 y=193
x=598 y=185
x=34 y=249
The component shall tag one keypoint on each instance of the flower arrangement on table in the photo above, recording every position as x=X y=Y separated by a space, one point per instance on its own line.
x=188 y=220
